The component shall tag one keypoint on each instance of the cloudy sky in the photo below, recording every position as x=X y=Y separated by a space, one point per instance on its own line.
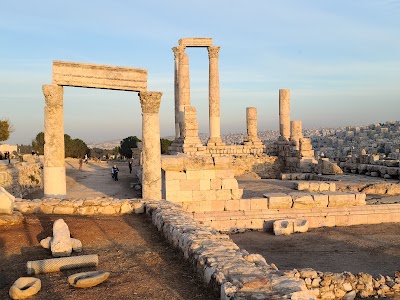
x=340 y=59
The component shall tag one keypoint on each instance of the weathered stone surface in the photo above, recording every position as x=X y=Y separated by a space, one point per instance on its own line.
x=99 y=76
x=283 y=227
x=61 y=241
x=6 y=202
x=25 y=287
x=14 y=219
x=88 y=279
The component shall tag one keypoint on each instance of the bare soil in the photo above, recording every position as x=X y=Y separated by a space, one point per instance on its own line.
x=142 y=264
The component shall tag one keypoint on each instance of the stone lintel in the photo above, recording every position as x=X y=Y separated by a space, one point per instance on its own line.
x=99 y=76
x=195 y=42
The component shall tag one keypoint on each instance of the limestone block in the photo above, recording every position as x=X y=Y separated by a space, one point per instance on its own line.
x=175 y=175
x=178 y=196
x=6 y=202
x=222 y=162
x=106 y=210
x=320 y=200
x=64 y=210
x=189 y=185
x=88 y=279
x=61 y=242
x=283 y=227
x=226 y=173
x=194 y=174
x=216 y=184
x=173 y=185
x=340 y=199
x=169 y=163
x=232 y=205
x=208 y=174
x=302 y=200
x=229 y=183
x=259 y=203
x=204 y=195
x=324 y=187
x=223 y=194
x=278 y=200
x=245 y=204
x=237 y=194
x=199 y=163
x=360 y=198
x=86 y=210
x=314 y=186
x=25 y=287
x=217 y=205
x=300 y=225
x=332 y=186
x=205 y=184
x=302 y=186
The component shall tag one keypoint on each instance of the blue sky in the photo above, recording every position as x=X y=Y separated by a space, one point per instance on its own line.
x=340 y=59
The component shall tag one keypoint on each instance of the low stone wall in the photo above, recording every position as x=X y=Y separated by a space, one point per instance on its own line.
x=304 y=176
x=347 y=285
x=263 y=219
x=85 y=207
x=224 y=150
x=370 y=165
x=21 y=178
x=220 y=262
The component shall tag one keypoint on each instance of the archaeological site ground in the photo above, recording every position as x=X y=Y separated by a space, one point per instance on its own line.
x=256 y=220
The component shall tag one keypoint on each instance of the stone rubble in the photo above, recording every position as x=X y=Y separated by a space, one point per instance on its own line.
x=6 y=202
x=25 y=287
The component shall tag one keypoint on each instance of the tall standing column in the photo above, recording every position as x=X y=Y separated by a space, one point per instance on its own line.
x=177 y=52
x=54 y=153
x=284 y=113
x=151 y=180
x=184 y=86
x=296 y=132
x=214 y=97
x=251 y=120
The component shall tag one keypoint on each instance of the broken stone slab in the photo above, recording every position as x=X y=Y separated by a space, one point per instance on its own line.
x=61 y=244
x=88 y=279
x=14 y=219
x=289 y=226
x=6 y=202
x=25 y=287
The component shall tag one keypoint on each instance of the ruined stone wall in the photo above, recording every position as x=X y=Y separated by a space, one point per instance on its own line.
x=264 y=166
x=21 y=178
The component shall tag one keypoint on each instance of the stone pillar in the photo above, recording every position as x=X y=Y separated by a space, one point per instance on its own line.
x=251 y=120
x=151 y=173
x=296 y=132
x=177 y=52
x=184 y=86
x=284 y=113
x=54 y=153
x=214 y=97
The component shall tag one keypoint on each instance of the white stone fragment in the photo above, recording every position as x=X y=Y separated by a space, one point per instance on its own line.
x=6 y=202
x=25 y=287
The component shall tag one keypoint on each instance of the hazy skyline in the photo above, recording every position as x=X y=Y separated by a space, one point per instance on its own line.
x=340 y=59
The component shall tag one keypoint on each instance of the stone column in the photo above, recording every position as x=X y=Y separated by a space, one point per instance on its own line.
x=151 y=173
x=284 y=113
x=54 y=153
x=296 y=132
x=251 y=120
x=184 y=86
x=177 y=52
x=214 y=97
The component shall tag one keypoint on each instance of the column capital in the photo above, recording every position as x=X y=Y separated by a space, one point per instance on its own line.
x=178 y=50
x=213 y=51
x=150 y=102
x=53 y=94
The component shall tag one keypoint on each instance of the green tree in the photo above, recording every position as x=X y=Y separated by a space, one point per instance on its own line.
x=164 y=145
x=5 y=130
x=38 y=143
x=127 y=144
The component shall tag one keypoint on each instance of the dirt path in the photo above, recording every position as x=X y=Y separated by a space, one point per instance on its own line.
x=95 y=180
x=142 y=264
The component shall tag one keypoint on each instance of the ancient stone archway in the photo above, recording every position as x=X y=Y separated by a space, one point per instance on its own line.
x=102 y=77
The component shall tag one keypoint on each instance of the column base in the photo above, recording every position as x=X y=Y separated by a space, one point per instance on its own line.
x=54 y=182
x=215 y=141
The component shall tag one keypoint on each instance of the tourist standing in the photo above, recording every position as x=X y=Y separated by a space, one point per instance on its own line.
x=130 y=166
x=80 y=163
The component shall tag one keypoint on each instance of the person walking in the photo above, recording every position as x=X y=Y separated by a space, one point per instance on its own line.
x=80 y=163
x=130 y=166
x=114 y=173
